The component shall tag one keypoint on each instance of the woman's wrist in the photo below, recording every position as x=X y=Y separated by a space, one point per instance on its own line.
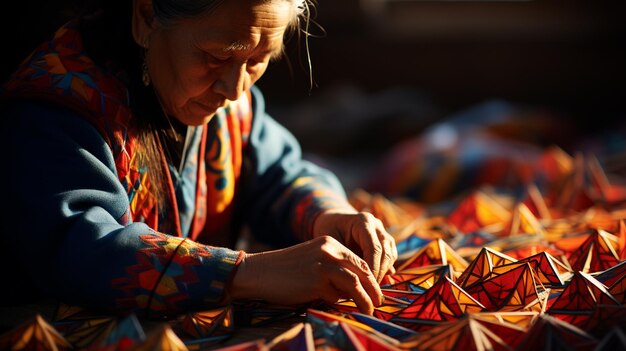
x=244 y=284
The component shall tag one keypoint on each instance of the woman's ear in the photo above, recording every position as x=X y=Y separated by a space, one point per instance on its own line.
x=143 y=22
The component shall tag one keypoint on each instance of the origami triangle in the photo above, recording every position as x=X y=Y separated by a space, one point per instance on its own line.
x=421 y=276
x=580 y=297
x=523 y=221
x=534 y=201
x=482 y=266
x=34 y=334
x=513 y=290
x=298 y=337
x=436 y=252
x=597 y=253
x=477 y=211
x=204 y=324
x=522 y=320
x=390 y=329
x=572 y=193
x=71 y=312
x=125 y=332
x=549 y=271
x=617 y=290
x=387 y=211
x=161 y=338
x=443 y=302
x=511 y=334
x=609 y=276
x=84 y=332
x=607 y=192
x=465 y=334
x=327 y=332
x=549 y=333
x=364 y=341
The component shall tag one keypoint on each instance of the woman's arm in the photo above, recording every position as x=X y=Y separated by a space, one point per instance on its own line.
x=289 y=200
x=282 y=193
x=67 y=224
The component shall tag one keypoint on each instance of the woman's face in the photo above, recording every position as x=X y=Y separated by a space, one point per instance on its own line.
x=198 y=65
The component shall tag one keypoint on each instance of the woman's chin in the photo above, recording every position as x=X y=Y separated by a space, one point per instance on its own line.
x=197 y=115
x=197 y=120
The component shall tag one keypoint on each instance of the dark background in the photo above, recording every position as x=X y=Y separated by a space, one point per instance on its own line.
x=569 y=54
x=384 y=72
x=566 y=55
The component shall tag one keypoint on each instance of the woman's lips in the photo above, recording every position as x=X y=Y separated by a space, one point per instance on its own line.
x=210 y=108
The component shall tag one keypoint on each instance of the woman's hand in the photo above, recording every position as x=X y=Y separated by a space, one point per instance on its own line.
x=364 y=234
x=319 y=269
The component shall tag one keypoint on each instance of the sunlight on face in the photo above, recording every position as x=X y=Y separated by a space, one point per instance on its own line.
x=198 y=65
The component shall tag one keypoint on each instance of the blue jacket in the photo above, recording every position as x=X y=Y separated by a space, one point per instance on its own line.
x=69 y=232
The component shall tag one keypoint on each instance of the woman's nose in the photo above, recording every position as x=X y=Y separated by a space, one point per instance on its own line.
x=231 y=82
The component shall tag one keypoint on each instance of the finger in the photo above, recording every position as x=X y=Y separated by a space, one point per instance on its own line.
x=386 y=261
x=331 y=296
x=387 y=250
x=389 y=255
x=395 y=249
x=347 y=282
x=367 y=281
x=368 y=241
x=394 y=252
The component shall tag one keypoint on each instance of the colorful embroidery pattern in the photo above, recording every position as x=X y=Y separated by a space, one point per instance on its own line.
x=315 y=199
x=165 y=274
x=225 y=139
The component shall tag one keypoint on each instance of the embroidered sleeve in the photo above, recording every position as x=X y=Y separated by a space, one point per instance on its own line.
x=172 y=275
x=286 y=191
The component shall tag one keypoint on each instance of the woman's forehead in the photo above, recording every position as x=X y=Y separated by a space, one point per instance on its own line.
x=236 y=30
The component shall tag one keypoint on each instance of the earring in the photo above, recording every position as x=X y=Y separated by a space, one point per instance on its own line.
x=145 y=74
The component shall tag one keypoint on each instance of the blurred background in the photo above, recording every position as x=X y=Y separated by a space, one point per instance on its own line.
x=385 y=74
x=388 y=74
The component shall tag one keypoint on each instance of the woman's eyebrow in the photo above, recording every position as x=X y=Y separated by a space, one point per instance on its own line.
x=237 y=46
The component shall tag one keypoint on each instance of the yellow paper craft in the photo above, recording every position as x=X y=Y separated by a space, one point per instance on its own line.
x=34 y=334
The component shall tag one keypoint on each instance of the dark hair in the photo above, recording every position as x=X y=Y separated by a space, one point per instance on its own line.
x=106 y=26
x=167 y=10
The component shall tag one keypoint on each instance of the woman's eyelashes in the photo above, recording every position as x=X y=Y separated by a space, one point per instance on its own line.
x=218 y=58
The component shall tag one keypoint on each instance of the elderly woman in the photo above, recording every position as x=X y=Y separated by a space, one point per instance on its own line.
x=138 y=148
